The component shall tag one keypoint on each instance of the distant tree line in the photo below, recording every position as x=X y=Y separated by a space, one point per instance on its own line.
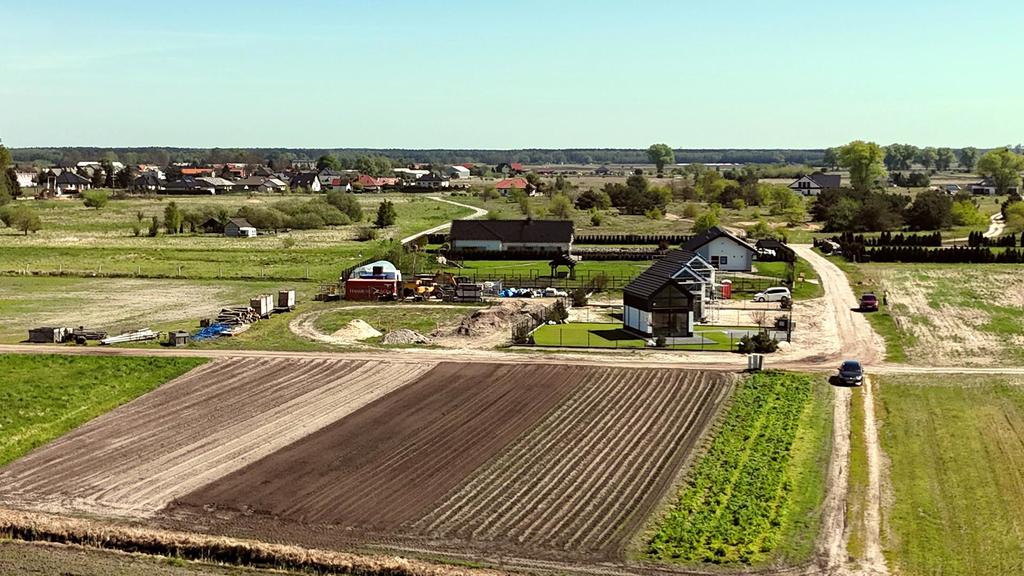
x=280 y=157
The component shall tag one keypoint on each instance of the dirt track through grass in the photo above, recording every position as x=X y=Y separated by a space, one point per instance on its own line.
x=207 y=424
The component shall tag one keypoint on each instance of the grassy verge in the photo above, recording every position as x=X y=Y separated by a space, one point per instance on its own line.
x=856 y=504
x=753 y=497
x=957 y=474
x=43 y=397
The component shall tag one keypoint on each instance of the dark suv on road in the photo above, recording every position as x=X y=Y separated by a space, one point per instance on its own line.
x=851 y=373
x=869 y=303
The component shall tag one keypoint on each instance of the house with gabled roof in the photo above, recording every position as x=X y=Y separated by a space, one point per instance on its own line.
x=722 y=249
x=548 y=237
x=68 y=182
x=433 y=181
x=308 y=181
x=816 y=183
x=518 y=183
x=670 y=297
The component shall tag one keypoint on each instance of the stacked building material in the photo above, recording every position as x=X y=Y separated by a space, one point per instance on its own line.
x=135 y=336
x=237 y=315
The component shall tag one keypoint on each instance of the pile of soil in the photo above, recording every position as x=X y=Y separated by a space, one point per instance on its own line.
x=404 y=336
x=499 y=317
x=356 y=330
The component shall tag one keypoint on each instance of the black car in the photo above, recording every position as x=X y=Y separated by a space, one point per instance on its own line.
x=851 y=373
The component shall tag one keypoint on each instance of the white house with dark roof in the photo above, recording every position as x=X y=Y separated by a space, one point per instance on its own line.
x=669 y=298
x=723 y=250
x=814 y=184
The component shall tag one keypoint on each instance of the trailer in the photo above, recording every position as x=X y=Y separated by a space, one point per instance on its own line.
x=48 y=335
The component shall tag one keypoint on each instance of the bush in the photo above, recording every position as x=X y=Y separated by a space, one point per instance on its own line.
x=346 y=203
x=366 y=233
x=759 y=343
x=593 y=199
x=288 y=242
x=21 y=217
x=579 y=297
x=654 y=214
x=154 y=227
x=596 y=218
x=386 y=214
x=95 y=199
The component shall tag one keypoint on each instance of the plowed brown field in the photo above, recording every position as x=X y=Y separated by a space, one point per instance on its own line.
x=588 y=476
x=536 y=461
x=545 y=461
x=193 y=430
x=385 y=464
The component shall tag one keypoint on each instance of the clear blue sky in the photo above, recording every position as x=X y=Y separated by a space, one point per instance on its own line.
x=489 y=74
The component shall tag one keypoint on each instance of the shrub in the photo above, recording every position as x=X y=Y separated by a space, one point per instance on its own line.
x=654 y=214
x=386 y=214
x=95 y=199
x=154 y=227
x=347 y=203
x=288 y=242
x=760 y=343
x=579 y=297
x=366 y=233
x=596 y=218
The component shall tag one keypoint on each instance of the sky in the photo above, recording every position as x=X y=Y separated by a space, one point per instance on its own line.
x=503 y=75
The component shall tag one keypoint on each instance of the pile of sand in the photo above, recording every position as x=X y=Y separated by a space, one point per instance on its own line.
x=404 y=336
x=356 y=330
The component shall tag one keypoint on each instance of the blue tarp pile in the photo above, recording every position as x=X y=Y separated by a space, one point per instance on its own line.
x=211 y=331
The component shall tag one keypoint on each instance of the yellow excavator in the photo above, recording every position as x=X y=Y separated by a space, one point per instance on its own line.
x=426 y=286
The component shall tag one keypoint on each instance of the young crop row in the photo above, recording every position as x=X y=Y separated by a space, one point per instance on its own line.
x=731 y=508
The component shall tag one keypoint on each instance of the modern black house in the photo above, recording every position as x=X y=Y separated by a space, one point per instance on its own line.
x=667 y=298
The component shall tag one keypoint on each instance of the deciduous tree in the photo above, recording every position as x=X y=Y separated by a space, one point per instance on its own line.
x=1002 y=167
x=661 y=155
x=864 y=161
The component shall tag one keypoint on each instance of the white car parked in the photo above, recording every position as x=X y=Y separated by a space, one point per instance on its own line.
x=773 y=295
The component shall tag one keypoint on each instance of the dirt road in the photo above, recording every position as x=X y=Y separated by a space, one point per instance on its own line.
x=874 y=560
x=477 y=213
x=854 y=335
x=996 y=225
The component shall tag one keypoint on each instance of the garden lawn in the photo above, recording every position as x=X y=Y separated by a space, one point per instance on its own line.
x=44 y=396
x=607 y=335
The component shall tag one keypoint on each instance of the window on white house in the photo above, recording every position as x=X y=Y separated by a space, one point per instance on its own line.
x=723 y=260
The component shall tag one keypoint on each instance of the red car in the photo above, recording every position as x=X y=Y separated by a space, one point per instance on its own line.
x=869 y=303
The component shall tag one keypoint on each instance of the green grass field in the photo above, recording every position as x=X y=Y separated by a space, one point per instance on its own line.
x=85 y=242
x=604 y=335
x=42 y=397
x=755 y=497
x=956 y=451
